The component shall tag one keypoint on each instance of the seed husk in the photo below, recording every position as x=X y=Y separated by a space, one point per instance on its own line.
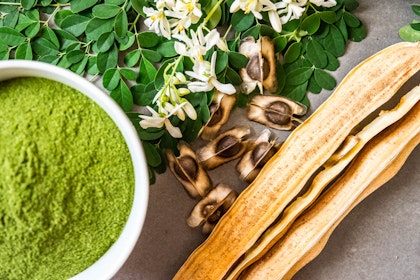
x=189 y=171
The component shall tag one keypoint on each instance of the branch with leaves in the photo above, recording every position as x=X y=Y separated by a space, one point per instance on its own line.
x=161 y=61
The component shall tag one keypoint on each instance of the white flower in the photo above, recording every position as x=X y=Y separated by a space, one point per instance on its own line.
x=157 y=120
x=205 y=74
x=157 y=22
x=197 y=45
x=183 y=14
x=291 y=9
x=248 y=6
x=324 y=3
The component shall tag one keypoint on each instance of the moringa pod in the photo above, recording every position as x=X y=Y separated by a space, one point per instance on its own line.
x=189 y=171
x=220 y=108
x=366 y=88
x=263 y=148
x=228 y=146
x=211 y=208
x=275 y=111
x=261 y=68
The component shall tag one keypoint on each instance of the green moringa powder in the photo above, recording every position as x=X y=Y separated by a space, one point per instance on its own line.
x=66 y=180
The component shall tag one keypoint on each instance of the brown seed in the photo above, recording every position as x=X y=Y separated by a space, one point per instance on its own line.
x=228 y=146
x=278 y=112
x=187 y=167
x=253 y=68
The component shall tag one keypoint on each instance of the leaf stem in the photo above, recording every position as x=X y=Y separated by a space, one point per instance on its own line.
x=212 y=11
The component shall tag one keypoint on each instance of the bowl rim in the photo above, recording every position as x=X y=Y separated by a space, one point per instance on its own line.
x=114 y=258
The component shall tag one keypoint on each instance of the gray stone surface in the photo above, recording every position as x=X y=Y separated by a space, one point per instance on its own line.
x=379 y=239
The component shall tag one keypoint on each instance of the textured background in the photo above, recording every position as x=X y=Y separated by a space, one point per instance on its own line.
x=379 y=239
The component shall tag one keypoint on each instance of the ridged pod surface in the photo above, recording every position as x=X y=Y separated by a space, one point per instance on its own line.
x=366 y=88
x=374 y=165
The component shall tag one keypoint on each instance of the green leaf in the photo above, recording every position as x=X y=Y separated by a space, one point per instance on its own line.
x=280 y=42
x=11 y=19
x=351 y=4
x=24 y=51
x=111 y=79
x=333 y=62
x=147 y=72
x=216 y=15
x=75 y=56
x=407 y=33
x=299 y=76
x=152 y=155
x=266 y=30
x=10 y=36
x=241 y=21
x=49 y=34
x=415 y=25
x=28 y=4
x=232 y=77
x=313 y=86
x=316 y=54
x=65 y=38
x=61 y=15
x=311 y=23
x=167 y=49
x=342 y=26
x=96 y=27
x=416 y=9
x=75 y=24
x=143 y=95
x=357 y=34
x=121 y=24
x=153 y=56
x=159 y=78
x=105 y=41
x=296 y=93
x=107 y=59
x=4 y=55
x=138 y=6
x=292 y=53
x=148 y=39
x=64 y=62
x=114 y=2
x=334 y=41
x=105 y=11
x=132 y=58
x=237 y=60
x=77 y=6
x=32 y=30
x=79 y=67
x=51 y=59
x=128 y=73
x=324 y=79
x=122 y=95
x=351 y=20
x=328 y=16
x=221 y=61
x=92 y=66
x=130 y=41
x=23 y=22
x=149 y=134
x=253 y=32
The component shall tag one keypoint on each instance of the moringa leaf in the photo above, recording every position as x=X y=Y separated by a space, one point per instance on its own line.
x=111 y=78
x=77 y=6
x=105 y=11
x=11 y=37
x=24 y=51
x=121 y=24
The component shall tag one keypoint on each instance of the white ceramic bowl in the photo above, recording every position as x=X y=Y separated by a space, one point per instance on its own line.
x=114 y=258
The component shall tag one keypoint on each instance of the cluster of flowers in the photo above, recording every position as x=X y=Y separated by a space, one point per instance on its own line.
x=172 y=19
